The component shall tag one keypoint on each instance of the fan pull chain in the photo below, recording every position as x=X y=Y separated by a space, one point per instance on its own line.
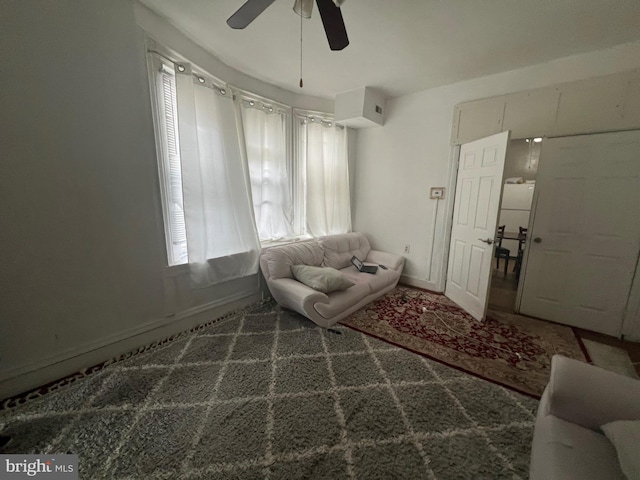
x=301 y=82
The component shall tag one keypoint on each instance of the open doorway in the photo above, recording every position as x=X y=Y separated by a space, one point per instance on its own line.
x=520 y=170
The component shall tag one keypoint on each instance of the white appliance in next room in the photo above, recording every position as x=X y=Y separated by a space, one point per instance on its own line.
x=514 y=211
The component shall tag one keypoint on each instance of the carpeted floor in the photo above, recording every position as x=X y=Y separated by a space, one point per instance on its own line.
x=268 y=395
x=510 y=350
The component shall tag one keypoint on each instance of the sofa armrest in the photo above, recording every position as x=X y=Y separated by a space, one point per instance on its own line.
x=295 y=295
x=590 y=396
x=391 y=260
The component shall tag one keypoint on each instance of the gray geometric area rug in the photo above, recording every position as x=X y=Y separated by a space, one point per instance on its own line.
x=268 y=395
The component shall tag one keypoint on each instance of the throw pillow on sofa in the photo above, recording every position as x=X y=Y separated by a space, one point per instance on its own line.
x=625 y=436
x=323 y=279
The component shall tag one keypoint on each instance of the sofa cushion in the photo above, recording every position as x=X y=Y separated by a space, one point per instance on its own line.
x=281 y=259
x=377 y=281
x=566 y=451
x=389 y=260
x=625 y=437
x=338 y=249
x=323 y=279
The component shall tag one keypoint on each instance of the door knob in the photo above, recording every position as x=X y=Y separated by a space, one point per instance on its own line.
x=537 y=240
x=486 y=240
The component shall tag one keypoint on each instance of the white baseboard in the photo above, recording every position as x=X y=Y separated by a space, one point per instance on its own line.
x=418 y=282
x=45 y=370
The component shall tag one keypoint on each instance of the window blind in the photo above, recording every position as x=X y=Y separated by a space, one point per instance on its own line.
x=173 y=173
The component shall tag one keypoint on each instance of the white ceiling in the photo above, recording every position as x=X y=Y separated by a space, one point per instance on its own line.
x=403 y=46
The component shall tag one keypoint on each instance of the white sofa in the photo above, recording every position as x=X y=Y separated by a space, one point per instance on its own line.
x=331 y=251
x=568 y=442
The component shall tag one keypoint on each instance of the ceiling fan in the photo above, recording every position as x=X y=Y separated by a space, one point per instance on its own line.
x=329 y=12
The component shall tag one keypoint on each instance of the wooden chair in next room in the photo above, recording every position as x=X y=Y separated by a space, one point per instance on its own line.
x=502 y=252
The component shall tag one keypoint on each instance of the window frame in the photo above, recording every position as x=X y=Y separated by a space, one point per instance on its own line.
x=156 y=64
x=160 y=58
x=300 y=116
x=298 y=225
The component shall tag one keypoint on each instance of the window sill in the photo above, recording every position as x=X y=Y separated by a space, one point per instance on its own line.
x=183 y=268
x=176 y=270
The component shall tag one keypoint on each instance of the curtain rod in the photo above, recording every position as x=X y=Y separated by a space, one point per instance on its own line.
x=200 y=77
x=315 y=117
x=298 y=112
x=162 y=56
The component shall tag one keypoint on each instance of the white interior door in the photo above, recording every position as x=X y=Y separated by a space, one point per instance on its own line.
x=475 y=216
x=585 y=234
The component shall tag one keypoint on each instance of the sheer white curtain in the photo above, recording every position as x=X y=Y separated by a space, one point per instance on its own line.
x=265 y=138
x=328 y=206
x=222 y=241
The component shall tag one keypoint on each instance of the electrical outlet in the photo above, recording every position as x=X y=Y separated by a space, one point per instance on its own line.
x=407 y=248
x=436 y=192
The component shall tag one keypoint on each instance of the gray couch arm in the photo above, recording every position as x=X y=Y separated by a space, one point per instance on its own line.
x=590 y=396
x=390 y=260
x=295 y=295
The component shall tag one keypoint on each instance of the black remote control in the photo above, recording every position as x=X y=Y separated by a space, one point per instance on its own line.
x=383 y=267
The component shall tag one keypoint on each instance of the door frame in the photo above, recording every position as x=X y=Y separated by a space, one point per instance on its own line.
x=452 y=180
x=525 y=254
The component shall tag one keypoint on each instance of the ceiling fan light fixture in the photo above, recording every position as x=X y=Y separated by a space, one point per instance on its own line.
x=329 y=10
x=303 y=8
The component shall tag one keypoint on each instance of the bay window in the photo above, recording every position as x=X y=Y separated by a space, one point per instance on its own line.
x=237 y=169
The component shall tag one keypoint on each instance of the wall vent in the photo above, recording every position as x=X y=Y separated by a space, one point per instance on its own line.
x=360 y=108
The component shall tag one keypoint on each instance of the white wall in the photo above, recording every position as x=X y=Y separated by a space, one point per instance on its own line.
x=84 y=274
x=398 y=163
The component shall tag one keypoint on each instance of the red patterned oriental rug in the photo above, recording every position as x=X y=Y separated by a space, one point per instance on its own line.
x=510 y=350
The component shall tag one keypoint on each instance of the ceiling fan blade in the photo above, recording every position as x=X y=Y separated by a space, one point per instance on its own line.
x=248 y=12
x=333 y=24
